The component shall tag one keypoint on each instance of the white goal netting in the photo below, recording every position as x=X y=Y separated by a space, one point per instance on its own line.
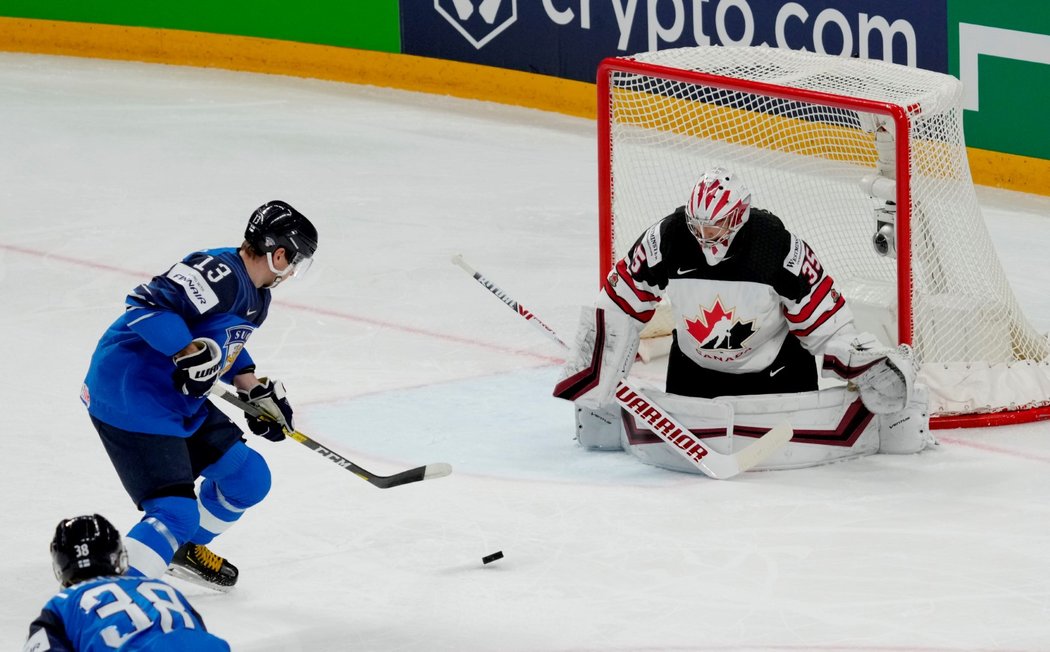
x=826 y=143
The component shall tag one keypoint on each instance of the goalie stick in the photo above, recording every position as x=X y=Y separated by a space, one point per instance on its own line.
x=511 y=303
x=645 y=353
x=428 y=472
x=719 y=466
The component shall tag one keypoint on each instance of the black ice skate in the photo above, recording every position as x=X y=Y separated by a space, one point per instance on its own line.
x=195 y=563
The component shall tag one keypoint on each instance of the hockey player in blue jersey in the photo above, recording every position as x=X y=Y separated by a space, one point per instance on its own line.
x=102 y=608
x=147 y=385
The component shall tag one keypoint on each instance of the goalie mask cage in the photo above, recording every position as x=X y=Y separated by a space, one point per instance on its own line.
x=837 y=148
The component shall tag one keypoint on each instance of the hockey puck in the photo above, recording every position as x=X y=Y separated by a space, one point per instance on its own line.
x=493 y=557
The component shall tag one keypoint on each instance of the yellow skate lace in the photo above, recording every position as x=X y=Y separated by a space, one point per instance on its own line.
x=207 y=558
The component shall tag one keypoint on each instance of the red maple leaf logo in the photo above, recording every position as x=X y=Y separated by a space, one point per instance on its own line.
x=712 y=323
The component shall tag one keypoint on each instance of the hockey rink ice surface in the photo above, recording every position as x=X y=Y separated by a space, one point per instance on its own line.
x=110 y=172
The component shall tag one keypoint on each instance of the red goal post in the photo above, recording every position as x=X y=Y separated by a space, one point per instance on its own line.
x=842 y=150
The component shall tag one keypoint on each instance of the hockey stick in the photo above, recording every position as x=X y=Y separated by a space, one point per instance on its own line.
x=644 y=356
x=511 y=303
x=428 y=472
x=719 y=466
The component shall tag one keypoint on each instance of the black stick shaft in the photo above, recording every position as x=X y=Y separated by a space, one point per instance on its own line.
x=382 y=481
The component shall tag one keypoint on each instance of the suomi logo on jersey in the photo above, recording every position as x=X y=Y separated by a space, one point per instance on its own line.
x=236 y=338
x=479 y=21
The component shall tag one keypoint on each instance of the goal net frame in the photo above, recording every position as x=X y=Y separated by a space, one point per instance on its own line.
x=1034 y=403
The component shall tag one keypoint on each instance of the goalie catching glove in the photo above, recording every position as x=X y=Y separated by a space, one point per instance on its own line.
x=884 y=376
x=196 y=372
x=603 y=352
x=269 y=397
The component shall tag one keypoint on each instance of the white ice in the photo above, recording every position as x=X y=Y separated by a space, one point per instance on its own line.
x=110 y=172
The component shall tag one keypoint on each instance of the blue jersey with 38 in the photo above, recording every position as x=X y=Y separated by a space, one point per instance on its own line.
x=125 y=613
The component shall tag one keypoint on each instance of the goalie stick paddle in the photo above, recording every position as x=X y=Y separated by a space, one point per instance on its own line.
x=428 y=472
x=710 y=462
x=719 y=466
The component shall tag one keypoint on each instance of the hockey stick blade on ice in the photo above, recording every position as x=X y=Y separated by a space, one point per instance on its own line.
x=428 y=472
x=710 y=462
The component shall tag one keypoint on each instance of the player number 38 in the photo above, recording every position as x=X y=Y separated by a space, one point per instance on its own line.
x=161 y=596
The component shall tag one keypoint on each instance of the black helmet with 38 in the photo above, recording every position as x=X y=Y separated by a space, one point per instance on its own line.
x=85 y=547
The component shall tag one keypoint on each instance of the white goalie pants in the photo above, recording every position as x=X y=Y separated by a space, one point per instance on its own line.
x=830 y=425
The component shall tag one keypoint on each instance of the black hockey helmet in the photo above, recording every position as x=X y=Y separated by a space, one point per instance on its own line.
x=276 y=224
x=85 y=547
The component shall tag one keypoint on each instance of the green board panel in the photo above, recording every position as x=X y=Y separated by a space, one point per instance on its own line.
x=362 y=24
x=1013 y=73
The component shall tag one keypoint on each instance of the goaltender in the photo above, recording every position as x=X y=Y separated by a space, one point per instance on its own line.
x=753 y=308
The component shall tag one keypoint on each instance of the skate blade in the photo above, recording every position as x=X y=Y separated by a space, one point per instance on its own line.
x=189 y=576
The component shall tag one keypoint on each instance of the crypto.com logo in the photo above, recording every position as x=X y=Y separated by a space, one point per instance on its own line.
x=478 y=22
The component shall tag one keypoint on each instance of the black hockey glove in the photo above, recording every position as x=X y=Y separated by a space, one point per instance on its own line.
x=196 y=372
x=269 y=397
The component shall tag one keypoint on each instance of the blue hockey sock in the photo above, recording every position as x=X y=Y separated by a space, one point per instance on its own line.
x=237 y=481
x=168 y=523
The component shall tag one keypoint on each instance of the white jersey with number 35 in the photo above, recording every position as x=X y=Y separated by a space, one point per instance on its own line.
x=732 y=310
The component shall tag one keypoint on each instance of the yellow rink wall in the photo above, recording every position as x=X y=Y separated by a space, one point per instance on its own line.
x=271 y=56
x=402 y=71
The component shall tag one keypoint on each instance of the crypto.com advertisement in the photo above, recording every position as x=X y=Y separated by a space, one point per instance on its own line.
x=568 y=38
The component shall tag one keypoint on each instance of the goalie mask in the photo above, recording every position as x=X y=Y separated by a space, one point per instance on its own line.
x=718 y=206
x=276 y=225
x=85 y=547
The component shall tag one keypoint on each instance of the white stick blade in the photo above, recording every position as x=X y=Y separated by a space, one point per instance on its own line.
x=438 y=470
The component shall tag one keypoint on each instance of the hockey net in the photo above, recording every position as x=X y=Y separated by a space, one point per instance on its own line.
x=835 y=147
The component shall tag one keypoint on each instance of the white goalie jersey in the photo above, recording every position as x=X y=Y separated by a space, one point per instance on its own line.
x=733 y=304
x=732 y=307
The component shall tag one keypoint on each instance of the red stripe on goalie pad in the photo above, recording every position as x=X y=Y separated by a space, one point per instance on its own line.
x=587 y=378
x=849 y=428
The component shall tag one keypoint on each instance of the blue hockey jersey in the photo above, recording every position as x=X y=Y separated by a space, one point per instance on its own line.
x=129 y=381
x=126 y=613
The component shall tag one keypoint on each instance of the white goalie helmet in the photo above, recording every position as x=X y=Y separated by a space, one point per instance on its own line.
x=718 y=206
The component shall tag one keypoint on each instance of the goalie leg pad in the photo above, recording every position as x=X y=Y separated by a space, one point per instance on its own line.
x=830 y=425
x=604 y=350
x=907 y=431
x=598 y=428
